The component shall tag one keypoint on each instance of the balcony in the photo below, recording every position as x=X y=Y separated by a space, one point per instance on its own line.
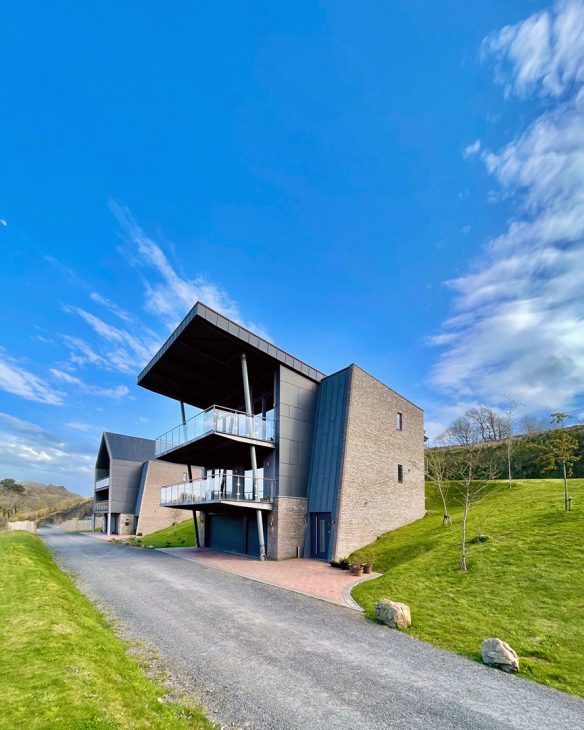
x=101 y=506
x=198 y=438
x=230 y=488
x=102 y=483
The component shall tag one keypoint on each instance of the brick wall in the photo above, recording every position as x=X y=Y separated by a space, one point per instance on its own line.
x=286 y=526
x=152 y=516
x=371 y=501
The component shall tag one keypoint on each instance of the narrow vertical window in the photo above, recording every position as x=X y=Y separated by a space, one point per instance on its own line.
x=399 y=421
x=400 y=473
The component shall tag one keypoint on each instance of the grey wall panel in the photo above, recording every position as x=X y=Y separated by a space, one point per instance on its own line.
x=296 y=407
x=328 y=442
x=124 y=485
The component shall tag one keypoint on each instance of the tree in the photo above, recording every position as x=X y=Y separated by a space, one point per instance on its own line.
x=559 y=417
x=10 y=496
x=437 y=471
x=532 y=424
x=512 y=406
x=470 y=490
x=559 y=449
x=488 y=423
x=461 y=432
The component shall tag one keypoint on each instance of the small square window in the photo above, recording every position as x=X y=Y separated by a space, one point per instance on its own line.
x=400 y=473
x=399 y=421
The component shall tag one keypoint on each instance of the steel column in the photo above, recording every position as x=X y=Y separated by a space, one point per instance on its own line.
x=252 y=453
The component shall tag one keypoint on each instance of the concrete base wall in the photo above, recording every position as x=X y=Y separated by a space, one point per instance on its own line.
x=286 y=527
x=151 y=516
x=125 y=524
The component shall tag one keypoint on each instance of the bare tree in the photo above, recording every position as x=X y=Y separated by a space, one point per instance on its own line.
x=512 y=406
x=437 y=472
x=462 y=432
x=488 y=423
x=469 y=489
x=532 y=424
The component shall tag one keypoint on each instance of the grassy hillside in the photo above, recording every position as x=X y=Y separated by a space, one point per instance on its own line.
x=524 y=585
x=40 y=500
x=61 y=666
x=181 y=535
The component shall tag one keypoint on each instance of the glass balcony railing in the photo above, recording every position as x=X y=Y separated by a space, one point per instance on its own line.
x=216 y=420
x=101 y=506
x=230 y=487
x=102 y=483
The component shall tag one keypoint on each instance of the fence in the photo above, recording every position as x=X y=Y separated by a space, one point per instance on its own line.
x=75 y=525
x=27 y=525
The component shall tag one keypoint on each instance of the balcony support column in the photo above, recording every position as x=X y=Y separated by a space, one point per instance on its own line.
x=184 y=423
x=197 y=541
x=252 y=453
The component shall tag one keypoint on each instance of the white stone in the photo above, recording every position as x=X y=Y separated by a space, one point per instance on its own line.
x=497 y=653
x=394 y=614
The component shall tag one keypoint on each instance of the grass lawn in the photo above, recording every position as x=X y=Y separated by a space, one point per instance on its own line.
x=61 y=665
x=181 y=535
x=524 y=585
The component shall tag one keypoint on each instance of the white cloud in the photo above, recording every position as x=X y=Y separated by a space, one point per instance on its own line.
x=119 y=391
x=543 y=54
x=472 y=149
x=30 y=452
x=172 y=296
x=77 y=426
x=113 y=308
x=518 y=328
x=17 y=380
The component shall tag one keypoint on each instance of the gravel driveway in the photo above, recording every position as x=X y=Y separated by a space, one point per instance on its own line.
x=263 y=657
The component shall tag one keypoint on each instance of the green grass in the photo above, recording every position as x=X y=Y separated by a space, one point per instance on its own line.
x=181 y=535
x=61 y=665
x=524 y=585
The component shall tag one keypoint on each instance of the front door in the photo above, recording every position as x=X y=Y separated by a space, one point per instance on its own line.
x=320 y=533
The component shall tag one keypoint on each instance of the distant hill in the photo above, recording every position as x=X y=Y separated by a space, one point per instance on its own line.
x=523 y=458
x=41 y=500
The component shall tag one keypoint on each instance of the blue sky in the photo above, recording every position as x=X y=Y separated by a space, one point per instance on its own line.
x=398 y=185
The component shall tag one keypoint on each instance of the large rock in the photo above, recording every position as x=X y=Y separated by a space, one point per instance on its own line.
x=497 y=653
x=394 y=614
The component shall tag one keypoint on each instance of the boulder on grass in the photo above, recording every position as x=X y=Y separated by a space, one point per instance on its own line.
x=497 y=653
x=394 y=614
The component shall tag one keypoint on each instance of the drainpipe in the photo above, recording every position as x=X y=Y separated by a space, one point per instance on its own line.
x=252 y=453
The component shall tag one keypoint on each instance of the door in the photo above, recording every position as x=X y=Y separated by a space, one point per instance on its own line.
x=226 y=533
x=320 y=534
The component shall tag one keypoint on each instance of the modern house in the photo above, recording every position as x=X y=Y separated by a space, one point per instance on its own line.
x=294 y=462
x=127 y=486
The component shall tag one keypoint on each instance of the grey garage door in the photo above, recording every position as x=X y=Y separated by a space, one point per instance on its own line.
x=234 y=533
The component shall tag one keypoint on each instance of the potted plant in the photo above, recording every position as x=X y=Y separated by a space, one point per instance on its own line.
x=344 y=564
x=335 y=563
x=357 y=569
x=367 y=564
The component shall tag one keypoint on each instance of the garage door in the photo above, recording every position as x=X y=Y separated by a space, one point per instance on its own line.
x=234 y=533
x=227 y=533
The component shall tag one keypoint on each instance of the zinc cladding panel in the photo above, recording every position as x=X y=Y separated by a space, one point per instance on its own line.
x=328 y=442
x=124 y=485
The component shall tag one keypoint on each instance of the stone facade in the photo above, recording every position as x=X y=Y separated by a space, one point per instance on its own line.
x=125 y=524
x=371 y=499
x=286 y=527
x=151 y=516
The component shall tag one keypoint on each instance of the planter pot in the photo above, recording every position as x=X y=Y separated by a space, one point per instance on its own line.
x=357 y=570
x=367 y=567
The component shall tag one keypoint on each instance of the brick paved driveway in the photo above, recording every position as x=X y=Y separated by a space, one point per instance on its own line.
x=309 y=577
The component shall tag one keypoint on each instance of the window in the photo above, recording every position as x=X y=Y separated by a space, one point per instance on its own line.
x=400 y=473
x=399 y=421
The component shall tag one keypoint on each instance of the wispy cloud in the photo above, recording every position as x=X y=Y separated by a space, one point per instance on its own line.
x=119 y=391
x=472 y=149
x=113 y=308
x=172 y=296
x=15 y=379
x=28 y=451
x=543 y=55
x=519 y=323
